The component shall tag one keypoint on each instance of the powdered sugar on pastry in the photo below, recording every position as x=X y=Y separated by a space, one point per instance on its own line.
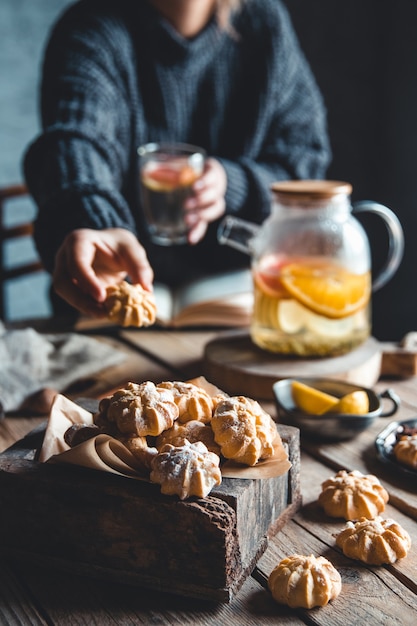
x=139 y=409
x=187 y=470
x=194 y=403
x=375 y=541
x=353 y=495
x=192 y=431
x=243 y=430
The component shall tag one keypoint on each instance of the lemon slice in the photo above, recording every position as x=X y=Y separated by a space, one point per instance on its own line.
x=156 y=185
x=265 y=311
x=312 y=400
x=330 y=327
x=355 y=403
x=292 y=317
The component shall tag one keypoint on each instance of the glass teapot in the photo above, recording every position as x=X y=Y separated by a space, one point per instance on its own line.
x=311 y=266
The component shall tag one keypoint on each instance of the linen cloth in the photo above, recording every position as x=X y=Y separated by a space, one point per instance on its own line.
x=31 y=361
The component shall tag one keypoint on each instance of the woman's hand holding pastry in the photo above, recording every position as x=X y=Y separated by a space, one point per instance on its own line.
x=88 y=261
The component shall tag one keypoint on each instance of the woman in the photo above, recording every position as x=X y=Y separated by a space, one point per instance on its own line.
x=227 y=75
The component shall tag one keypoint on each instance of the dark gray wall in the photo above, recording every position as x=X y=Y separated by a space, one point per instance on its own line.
x=24 y=26
x=364 y=56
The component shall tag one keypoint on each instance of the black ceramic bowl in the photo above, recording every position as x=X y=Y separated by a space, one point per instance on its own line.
x=330 y=426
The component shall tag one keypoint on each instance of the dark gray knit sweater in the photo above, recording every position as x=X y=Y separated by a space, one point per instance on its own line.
x=117 y=75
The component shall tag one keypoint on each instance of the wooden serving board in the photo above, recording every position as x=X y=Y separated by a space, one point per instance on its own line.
x=118 y=529
x=234 y=363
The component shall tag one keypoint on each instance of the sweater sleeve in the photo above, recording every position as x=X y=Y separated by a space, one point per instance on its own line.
x=76 y=168
x=290 y=140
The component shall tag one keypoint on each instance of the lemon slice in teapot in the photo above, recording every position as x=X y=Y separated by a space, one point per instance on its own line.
x=292 y=316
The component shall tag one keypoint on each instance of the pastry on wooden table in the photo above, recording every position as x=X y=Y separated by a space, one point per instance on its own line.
x=185 y=471
x=304 y=581
x=191 y=431
x=352 y=495
x=405 y=450
x=130 y=305
x=243 y=430
x=374 y=542
x=138 y=410
x=194 y=403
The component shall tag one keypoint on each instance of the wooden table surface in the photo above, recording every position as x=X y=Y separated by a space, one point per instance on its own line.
x=370 y=595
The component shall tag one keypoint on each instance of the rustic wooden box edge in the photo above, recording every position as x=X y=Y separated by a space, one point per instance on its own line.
x=222 y=518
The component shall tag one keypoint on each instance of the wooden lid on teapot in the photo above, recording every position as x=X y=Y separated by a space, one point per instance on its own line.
x=310 y=190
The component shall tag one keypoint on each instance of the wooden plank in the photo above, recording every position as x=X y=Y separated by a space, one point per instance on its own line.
x=137 y=367
x=16 y=604
x=360 y=454
x=313 y=519
x=369 y=595
x=69 y=600
x=14 y=428
x=184 y=348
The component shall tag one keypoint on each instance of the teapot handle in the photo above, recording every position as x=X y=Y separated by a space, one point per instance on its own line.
x=396 y=239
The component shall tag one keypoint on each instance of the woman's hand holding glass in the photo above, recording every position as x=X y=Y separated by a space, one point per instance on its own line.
x=208 y=202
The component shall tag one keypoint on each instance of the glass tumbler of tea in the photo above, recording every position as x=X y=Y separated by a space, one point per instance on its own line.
x=167 y=173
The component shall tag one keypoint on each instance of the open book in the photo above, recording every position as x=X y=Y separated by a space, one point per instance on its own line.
x=224 y=299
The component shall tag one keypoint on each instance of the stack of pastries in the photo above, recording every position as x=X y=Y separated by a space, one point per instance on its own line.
x=180 y=435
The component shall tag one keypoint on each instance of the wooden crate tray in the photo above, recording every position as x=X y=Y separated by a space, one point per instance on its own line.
x=110 y=527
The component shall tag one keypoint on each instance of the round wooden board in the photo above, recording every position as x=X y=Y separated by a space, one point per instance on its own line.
x=239 y=367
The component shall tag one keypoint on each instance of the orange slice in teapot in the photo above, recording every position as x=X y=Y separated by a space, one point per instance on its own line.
x=325 y=288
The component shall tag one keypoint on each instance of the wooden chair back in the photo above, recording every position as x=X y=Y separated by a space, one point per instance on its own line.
x=13 y=232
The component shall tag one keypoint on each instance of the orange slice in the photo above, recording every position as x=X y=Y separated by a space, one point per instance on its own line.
x=327 y=289
x=187 y=176
x=167 y=177
x=161 y=178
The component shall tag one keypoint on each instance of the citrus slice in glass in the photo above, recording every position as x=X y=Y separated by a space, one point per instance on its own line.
x=325 y=288
x=311 y=400
x=292 y=316
x=161 y=178
x=265 y=311
x=267 y=276
x=325 y=327
x=355 y=403
x=187 y=176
